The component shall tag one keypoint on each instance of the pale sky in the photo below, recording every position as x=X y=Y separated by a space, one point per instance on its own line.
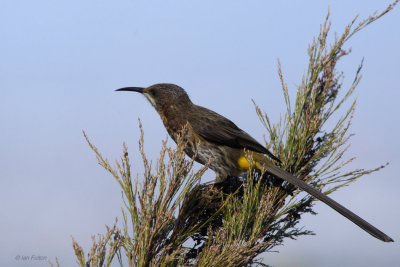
x=60 y=62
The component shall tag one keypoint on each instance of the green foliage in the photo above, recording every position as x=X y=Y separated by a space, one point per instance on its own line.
x=148 y=211
x=170 y=219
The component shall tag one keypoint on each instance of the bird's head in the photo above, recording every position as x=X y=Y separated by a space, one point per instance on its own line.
x=162 y=95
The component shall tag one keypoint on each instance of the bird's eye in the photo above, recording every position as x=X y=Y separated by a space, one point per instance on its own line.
x=153 y=93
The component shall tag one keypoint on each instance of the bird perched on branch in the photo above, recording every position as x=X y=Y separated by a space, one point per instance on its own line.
x=216 y=140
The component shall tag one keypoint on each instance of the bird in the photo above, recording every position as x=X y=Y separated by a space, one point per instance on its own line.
x=215 y=140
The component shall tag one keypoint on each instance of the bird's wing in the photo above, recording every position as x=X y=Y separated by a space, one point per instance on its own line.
x=219 y=130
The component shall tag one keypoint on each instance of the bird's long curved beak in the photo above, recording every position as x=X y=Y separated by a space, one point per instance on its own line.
x=132 y=89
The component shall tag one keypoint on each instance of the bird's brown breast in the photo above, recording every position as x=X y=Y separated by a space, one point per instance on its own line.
x=196 y=124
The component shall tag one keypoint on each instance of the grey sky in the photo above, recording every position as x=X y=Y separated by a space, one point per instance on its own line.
x=61 y=60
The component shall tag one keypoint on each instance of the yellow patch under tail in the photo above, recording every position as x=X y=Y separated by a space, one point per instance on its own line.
x=243 y=163
x=253 y=161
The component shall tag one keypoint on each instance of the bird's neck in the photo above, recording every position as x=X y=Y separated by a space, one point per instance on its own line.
x=174 y=117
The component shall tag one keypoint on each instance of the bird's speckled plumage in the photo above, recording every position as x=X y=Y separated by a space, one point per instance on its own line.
x=219 y=142
x=216 y=139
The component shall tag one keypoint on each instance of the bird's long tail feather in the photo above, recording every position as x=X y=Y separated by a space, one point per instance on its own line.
x=330 y=202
